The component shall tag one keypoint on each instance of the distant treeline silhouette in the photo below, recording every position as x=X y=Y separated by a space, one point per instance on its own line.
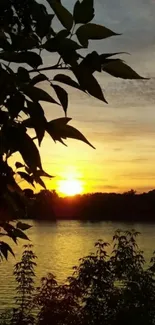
x=128 y=206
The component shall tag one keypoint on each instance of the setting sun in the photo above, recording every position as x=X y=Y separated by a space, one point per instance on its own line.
x=70 y=187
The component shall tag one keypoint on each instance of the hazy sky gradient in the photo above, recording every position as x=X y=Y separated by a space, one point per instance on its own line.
x=123 y=131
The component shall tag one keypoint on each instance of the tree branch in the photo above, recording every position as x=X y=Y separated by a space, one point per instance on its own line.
x=54 y=67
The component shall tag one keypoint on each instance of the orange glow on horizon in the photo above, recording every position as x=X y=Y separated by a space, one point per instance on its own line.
x=70 y=187
x=70 y=183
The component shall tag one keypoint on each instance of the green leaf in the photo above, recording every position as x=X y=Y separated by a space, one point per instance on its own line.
x=31 y=58
x=94 y=32
x=19 y=165
x=26 y=177
x=23 y=75
x=23 y=226
x=20 y=234
x=62 y=96
x=67 y=81
x=37 y=94
x=62 y=13
x=58 y=129
x=5 y=248
x=83 y=11
x=39 y=78
x=119 y=69
x=88 y=82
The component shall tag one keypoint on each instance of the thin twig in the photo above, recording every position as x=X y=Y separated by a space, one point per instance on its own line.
x=54 y=67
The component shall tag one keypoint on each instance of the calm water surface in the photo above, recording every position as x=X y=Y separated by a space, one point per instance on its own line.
x=60 y=245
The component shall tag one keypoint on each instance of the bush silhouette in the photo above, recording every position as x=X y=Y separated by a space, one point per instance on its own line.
x=118 y=288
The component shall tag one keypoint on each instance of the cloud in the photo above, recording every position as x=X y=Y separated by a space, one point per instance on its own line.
x=135 y=19
x=118 y=149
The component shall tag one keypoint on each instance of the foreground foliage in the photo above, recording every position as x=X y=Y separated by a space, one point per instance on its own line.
x=27 y=32
x=104 y=289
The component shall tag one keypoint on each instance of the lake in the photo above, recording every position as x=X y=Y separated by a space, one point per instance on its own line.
x=60 y=245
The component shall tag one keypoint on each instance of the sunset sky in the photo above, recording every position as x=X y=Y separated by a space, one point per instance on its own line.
x=123 y=131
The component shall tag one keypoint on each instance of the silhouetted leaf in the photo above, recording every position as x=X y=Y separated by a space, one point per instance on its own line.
x=73 y=133
x=62 y=13
x=69 y=45
x=4 y=44
x=68 y=52
x=31 y=58
x=92 y=62
x=119 y=69
x=108 y=55
x=23 y=226
x=3 y=117
x=5 y=248
x=83 y=11
x=61 y=121
x=88 y=82
x=15 y=104
x=21 y=42
x=28 y=123
x=58 y=129
x=20 y=234
x=40 y=181
x=92 y=31
x=68 y=81
x=26 y=177
x=62 y=34
x=69 y=56
x=51 y=45
x=19 y=165
x=55 y=126
x=19 y=140
x=23 y=74
x=62 y=95
x=38 y=120
x=37 y=94
x=42 y=173
x=55 y=43
x=28 y=170
x=44 y=28
x=39 y=78
x=64 y=45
